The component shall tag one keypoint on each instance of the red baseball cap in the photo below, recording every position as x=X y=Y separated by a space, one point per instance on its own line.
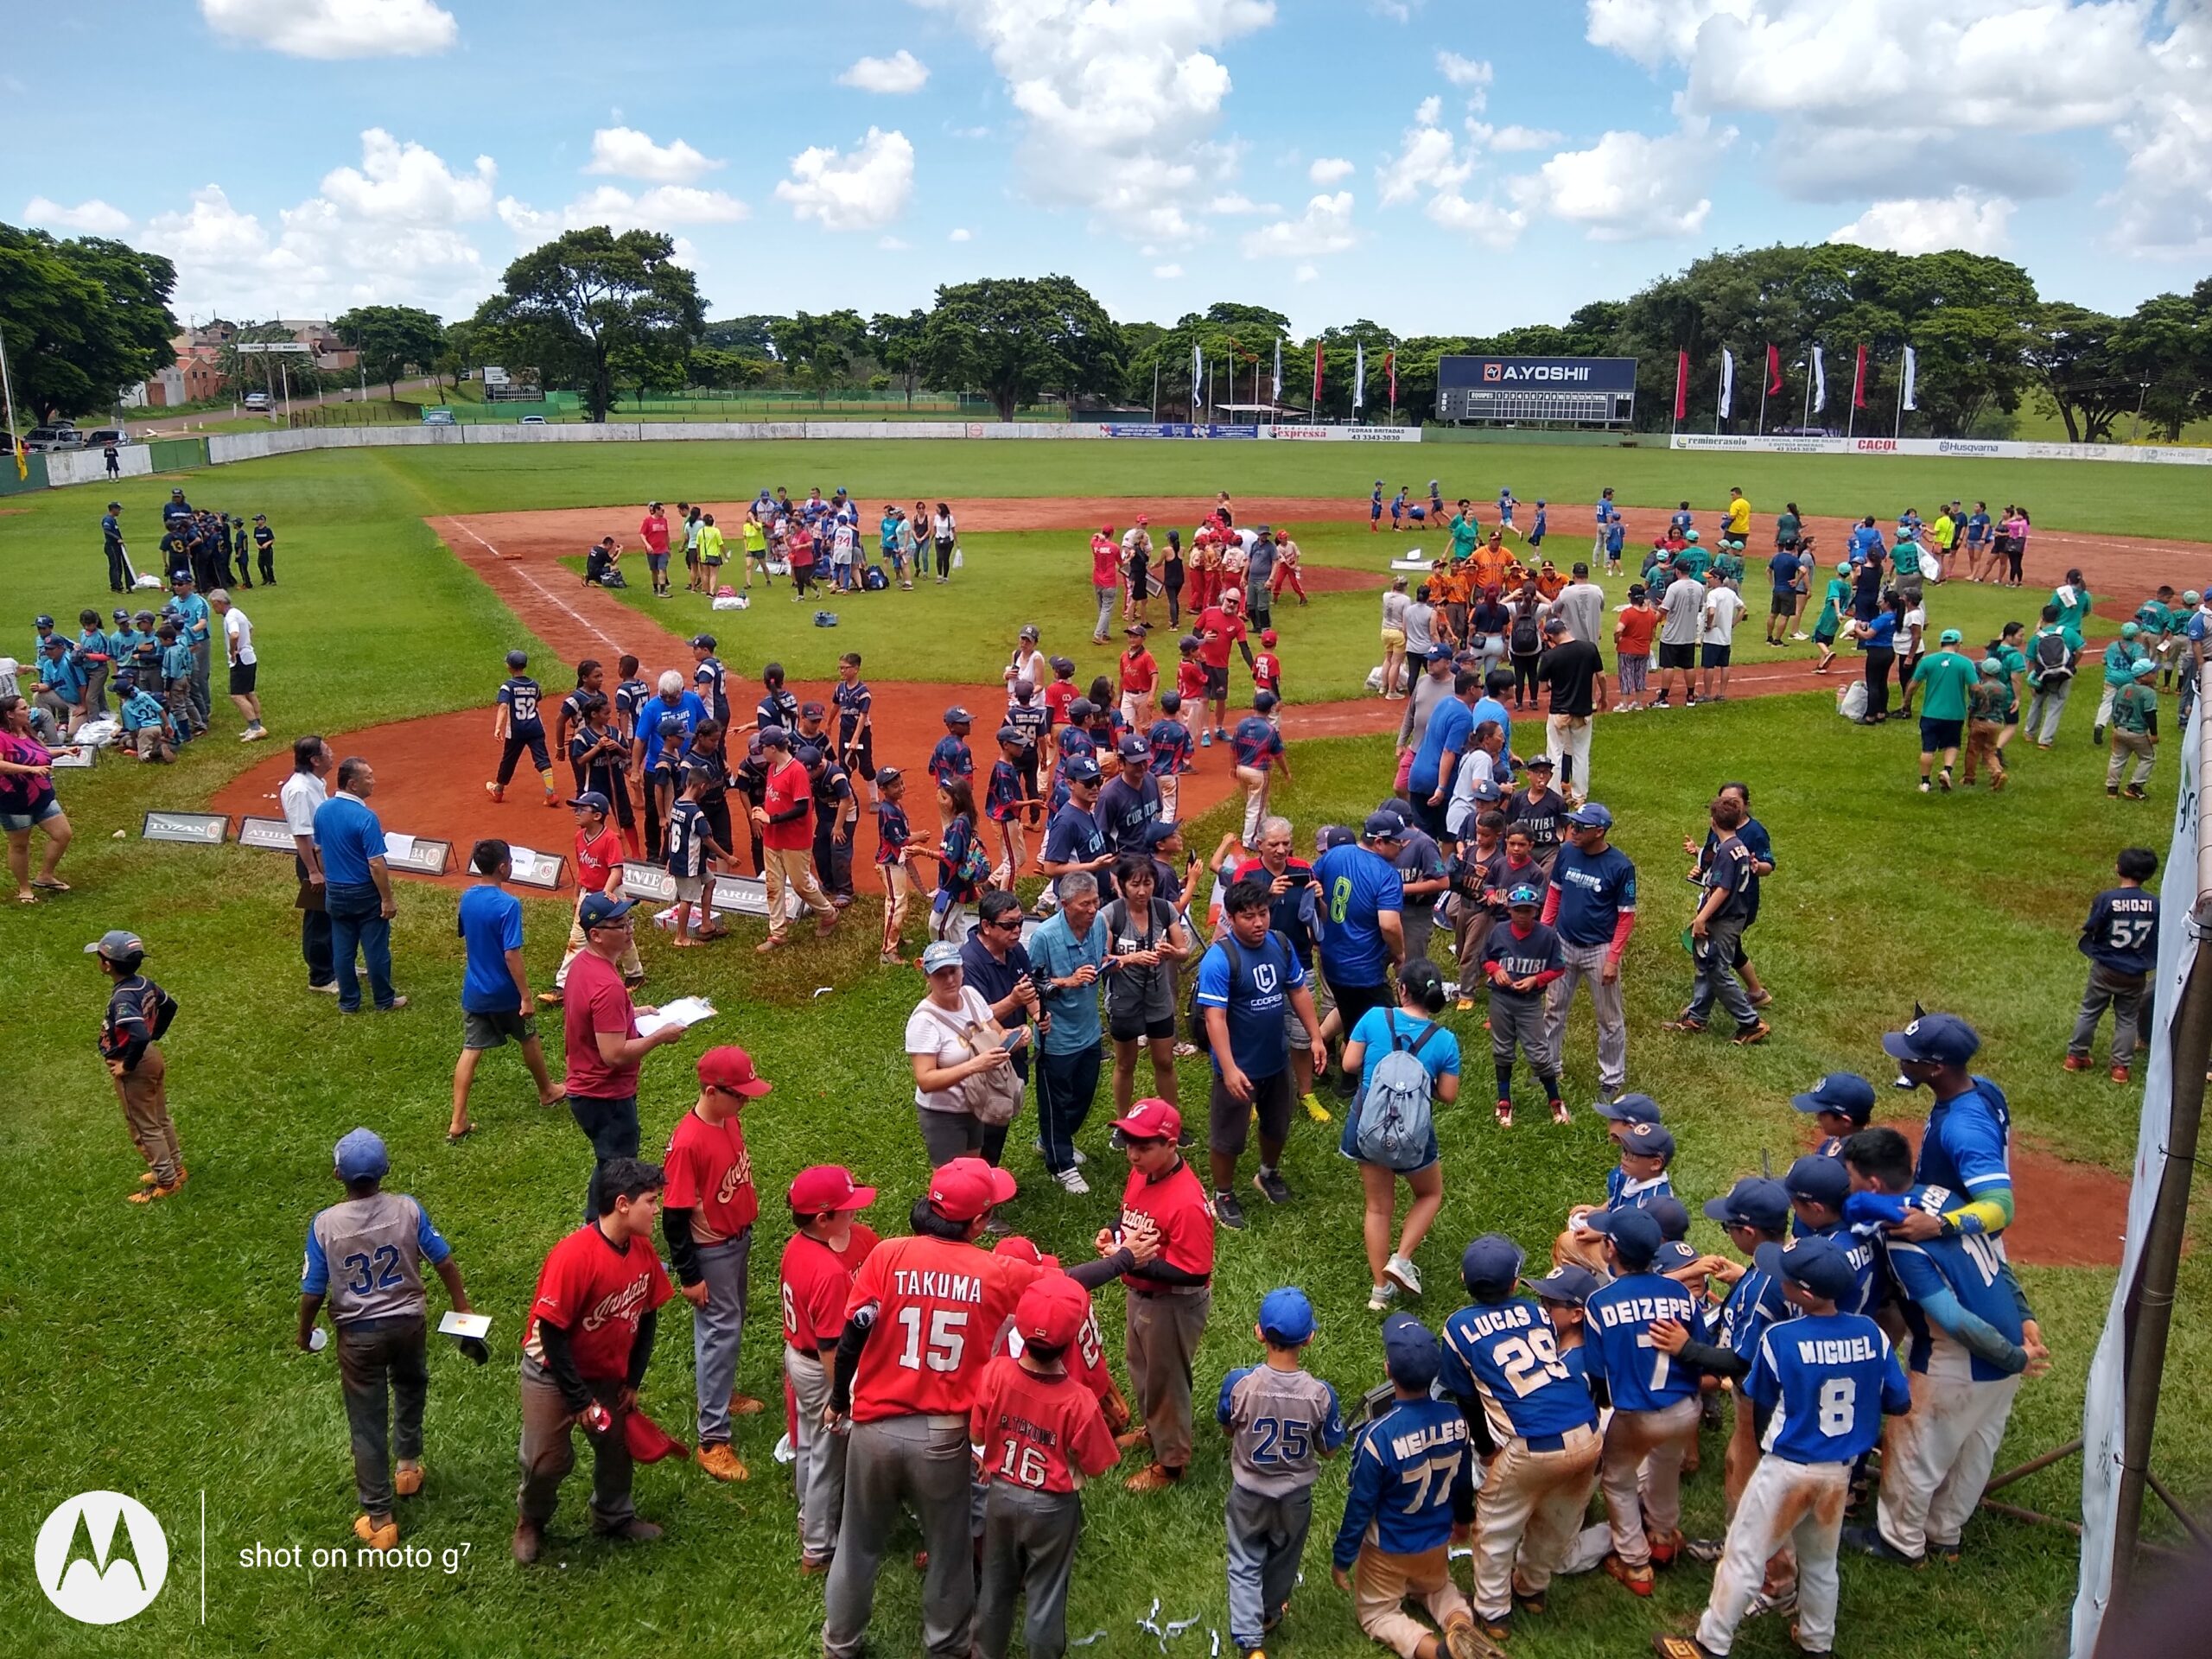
x=731 y=1068
x=1018 y=1248
x=966 y=1188
x=1151 y=1120
x=828 y=1186
x=1051 y=1311
x=1106 y=530
x=648 y=1442
x=1266 y=636
x=1143 y=518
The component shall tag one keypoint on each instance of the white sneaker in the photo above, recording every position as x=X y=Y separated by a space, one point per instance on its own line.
x=1381 y=1297
x=1402 y=1273
x=1801 y=638
x=1072 y=1179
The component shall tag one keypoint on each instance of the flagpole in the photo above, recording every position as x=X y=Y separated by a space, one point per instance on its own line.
x=1897 y=431
x=1762 y=386
x=8 y=397
x=1155 y=391
x=1806 y=418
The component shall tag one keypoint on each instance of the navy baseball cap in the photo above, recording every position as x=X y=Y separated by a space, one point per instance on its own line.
x=1812 y=1262
x=703 y=642
x=1080 y=769
x=1538 y=763
x=1133 y=747
x=809 y=755
x=1844 y=1092
x=1382 y=826
x=1567 y=1282
x=1629 y=1108
x=117 y=944
x=775 y=737
x=361 y=1155
x=1080 y=709
x=1410 y=1352
x=1066 y=664
x=1160 y=830
x=1936 y=1039
x=591 y=800
x=956 y=716
x=811 y=711
x=42 y=621
x=1672 y=1215
x=1524 y=897
x=597 y=910
x=1491 y=1263
x=1823 y=1180
x=1331 y=835
x=1591 y=815
x=1634 y=1235
x=1648 y=1141
x=1012 y=735
x=1754 y=1202
x=1673 y=1255
x=1286 y=1315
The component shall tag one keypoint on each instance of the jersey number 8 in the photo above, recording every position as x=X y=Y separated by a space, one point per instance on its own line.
x=1838 y=1406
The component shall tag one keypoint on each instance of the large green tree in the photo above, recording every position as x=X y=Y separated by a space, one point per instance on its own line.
x=2069 y=347
x=2164 y=349
x=390 y=339
x=1011 y=338
x=591 y=306
x=896 y=340
x=820 y=347
x=83 y=319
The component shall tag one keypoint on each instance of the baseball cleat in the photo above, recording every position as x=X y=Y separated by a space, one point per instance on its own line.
x=1668 y=1646
x=633 y=1530
x=1757 y=1033
x=2077 y=1063
x=1504 y=1114
x=1868 y=1541
x=151 y=1194
x=1707 y=1550
x=495 y=792
x=1665 y=1547
x=1496 y=1627
x=376 y=1535
x=529 y=1542
x=744 y=1405
x=1772 y=1601
x=814 y=1566
x=1636 y=1580
x=407 y=1479
x=719 y=1462
x=1153 y=1478
x=2118 y=1074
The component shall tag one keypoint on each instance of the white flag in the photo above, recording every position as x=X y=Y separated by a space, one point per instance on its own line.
x=1911 y=364
x=1819 y=382
x=1277 y=393
x=1197 y=377
x=1359 y=374
x=1727 y=380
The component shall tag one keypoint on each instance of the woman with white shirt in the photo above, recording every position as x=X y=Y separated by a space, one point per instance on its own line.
x=943 y=532
x=1028 y=663
x=952 y=1036
x=1910 y=646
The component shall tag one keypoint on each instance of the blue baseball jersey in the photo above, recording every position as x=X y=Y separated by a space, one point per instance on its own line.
x=1031 y=720
x=1826 y=1380
x=1622 y=1194
x=520 y=694
x=1858 y=1250
x=141 y=709
x=176 y=662
x=712 y=680
x=1505 y=1356
x=1971 y=1267
x=629 y=697
x=1754 y=1303
x=2122 y=931
x=1357 y=884
x=1595 y=891
x=852 y=702
x=1522 y=955
x=1617 y=1324
x=1002 y=794
x=1256 y=742
x=1403 y=1469
x=686 y=839
x=1074 y=836
x=1170 y=741
x=950 y=759
x=1964 y=1145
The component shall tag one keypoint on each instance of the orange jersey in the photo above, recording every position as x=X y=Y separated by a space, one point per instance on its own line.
x=939 y=1306
x=1490 y=564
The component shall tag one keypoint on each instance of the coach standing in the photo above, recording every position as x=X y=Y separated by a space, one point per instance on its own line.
x=303 y=791
x=599 y=1033
x=1592 y=902
x=244 y=665
x=357 y=887
x=1574 y=674
x=786 y=817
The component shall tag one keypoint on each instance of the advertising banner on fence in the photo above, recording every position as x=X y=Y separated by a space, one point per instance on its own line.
x=1965 y=449
x=1342 y=433
x=1174 y=429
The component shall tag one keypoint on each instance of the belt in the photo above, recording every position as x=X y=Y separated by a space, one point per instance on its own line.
x=1546 y=1442
x=1168 y=1290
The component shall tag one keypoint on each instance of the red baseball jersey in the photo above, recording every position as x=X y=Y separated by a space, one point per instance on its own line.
x=1175 y=1205
x=939 y=1304
x=816 y=1281
x=1086 y=1360
x=596 y=858
x=1218 y=631
x=654 y=529
x=710 y=1174
x=1058 y=695
x=597 y=1294
x=1267 y=672
x=1191 y=679
x=1045 y=1433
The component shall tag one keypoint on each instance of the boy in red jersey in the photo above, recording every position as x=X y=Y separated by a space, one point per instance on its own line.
x=1169 y=1296
x=819 y=1263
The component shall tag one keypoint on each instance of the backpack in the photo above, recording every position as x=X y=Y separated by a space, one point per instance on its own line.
x=875 y=580
x=974 y=869
x=2051 y=663
x=825 y=619
x=1527 y=639
x=992 y=1095
x=1396 y=1119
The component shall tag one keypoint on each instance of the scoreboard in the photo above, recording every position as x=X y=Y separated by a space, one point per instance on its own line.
x=1581 y=390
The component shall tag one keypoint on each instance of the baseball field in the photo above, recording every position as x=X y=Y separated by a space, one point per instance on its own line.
x=150 y=1351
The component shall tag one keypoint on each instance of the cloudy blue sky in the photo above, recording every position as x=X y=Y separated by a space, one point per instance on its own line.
x=1438 y=165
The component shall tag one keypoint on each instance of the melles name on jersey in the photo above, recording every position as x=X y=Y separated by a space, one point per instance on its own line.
x=1418 y=1443
x=1837 y=1351
x=1643 y=1310
x=942 y=1286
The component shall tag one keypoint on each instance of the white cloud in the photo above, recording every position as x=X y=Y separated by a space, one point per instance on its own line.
x=1470 y=75
x=1233 y=202
x=1167 y=273
x=625 y=153
x=1627 y=185
x=1428 y=159
x=852 y=193
x=1306 y=273
x=1325 y=227
x=1329 y=169
x=92 y=218
x=335 y=29
x=2163 y=205
x=657 y=209
x=1483 y=220
x=1652 y=31
x=902 y=72
x=1931 y=224
x=406 y=184
x=892 y=244
x=960 y=234
x=1515 y=138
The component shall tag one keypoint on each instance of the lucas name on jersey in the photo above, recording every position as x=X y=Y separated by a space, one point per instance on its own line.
x=1513 y=1316
x=941 y=1286
x=1831 y=1351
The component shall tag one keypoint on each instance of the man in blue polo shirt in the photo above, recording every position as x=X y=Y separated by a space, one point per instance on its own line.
x=1363 y=937
x=357 y=887
x=1428 y=783
x=1592 y=903
x=1964 y=1148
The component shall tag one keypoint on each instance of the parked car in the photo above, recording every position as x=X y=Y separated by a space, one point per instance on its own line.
x=100 y=437
x=257 y=402
x=438 y=417
x=531 y=420
x=45 y=440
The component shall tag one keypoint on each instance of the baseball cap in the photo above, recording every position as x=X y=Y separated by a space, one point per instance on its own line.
x=647 y=1441
x=1689 y=535
x=590 y=799
x=1051 y=1311
x=1629 y=1108
x=1672 y=1215
x=702 y=641
x=597 y=910
x=1286 y=1315
x=54 y=642
x=121 y=614
x=1673 y=1256
x=1844 y=1092
x=1538 y=763
x=940 y=956
x=1080 y=769
x=1133 y=747
x=1949 y=637
x=1555 y=626
x=2190 y=596
x=828 y=1186
x=1264 y=701
x=1015 y=1248
x=1012 y=735
x=889 y=775
x=1382 y=826
x=1940 y=1039
x=775 y=737
x=117 y=944
x=2129 y=630
x=731 y=1068
x=1410 y=1352
x=1268 y=636
x=1105 y=530
x=1648 y=1141
x=811 y=711
x=1591 y=815
x=671 y=725
x=1330 y=836
x=1812 y=1262
x=1063 y=664
x=810 y=755
x=956 y=716
x=1567 y=1282
x=2145 y=669
x=1754 y=1202
x=1824 y=1180
x=1634 y=1235
x=360 y=1154
x=1136 y=630
x=115 y=506
x=966 y=1187
x=1151 y=1120
x=1492 y=1262
x=1029 y=631
x=1441 y=653
x=1522 y=895
x=1081 y=709
x=1992 y=667
x=1485 y=789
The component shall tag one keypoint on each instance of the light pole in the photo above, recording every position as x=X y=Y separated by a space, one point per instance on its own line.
x=2143 y=393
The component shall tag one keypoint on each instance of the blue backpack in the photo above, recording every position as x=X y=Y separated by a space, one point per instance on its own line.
x=1395 y=1116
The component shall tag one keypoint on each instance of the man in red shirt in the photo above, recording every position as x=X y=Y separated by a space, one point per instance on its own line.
x=601 y=1040
x=585 y=1348
x=1170 y=1296
x=1105 y=578
x=785 y=816
x=706 y=1216
x=654 y=529
x=1042 y=1436
x=1221 y=626
x=598 y=870
x=820 y=1260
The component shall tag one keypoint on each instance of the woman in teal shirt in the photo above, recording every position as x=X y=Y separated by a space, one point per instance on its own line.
x=1420 y=999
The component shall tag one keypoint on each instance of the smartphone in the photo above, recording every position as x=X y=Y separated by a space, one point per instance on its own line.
x=1011 y=1039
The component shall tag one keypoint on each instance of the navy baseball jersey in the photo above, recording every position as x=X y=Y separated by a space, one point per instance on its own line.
x=2122 y=931
x=1505 y=1354
x=1617 y=1322
x=1523 y=955
x=1403 y=1469
x=521 y=695
x=1825 y=1381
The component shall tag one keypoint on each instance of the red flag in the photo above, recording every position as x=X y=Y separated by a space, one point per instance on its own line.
x=1681 y=385
x=1317 y=375
x=1773 y=371
x=1390 y=369
x=1859 y=381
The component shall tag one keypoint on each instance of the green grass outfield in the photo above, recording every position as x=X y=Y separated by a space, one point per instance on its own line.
x=150 y=1352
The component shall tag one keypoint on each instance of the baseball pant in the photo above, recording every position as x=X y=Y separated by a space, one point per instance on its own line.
x=201 y=706
x=2123 y=993
x=1066 y=1085
x=1632 y=1437
x=1936 y=1459
x=64 y=715
x=630 y=966
x=1105 y=597
x=1287 y=572
x=2125 y=744
x=610 y=1126
x=1161 y=1339
x=790 y=868
x=718 y=1333
x=510 y=752
x=146 y=1115
x=314 y=935
x=118 y=568
x=1714 y=956
x=359 y=926
x=1418 y=918
x=917 y=1461
x=1028 y=1551
x=1982 y=751
x=2104 y=703
x=1585 y=965
x=381 y=1365
x=1518 y=1021
x=549 y=1452
x=1796 y=1505
x=267 y=561
x=1566 y=739
x=96 y=691
x=1380 y=1585
x=819 y=1468
x=1527 y=1514
x=1470 y=925
x=898 y=890
x=1254 y=782
x=2045 y=708
x=1266 y=1536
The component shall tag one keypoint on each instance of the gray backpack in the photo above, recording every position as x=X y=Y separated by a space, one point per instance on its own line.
x=1395 y=1117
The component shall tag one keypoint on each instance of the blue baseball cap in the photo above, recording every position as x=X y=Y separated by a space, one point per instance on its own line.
x=956 y=716
x=1648 y=1141
x=1812 y=1262
x=1934 y=1039
x=597 y=910
x=1410 y=1352
x=774 y=737
x=1823 y=1180
x=1672 y=1215
x=1524 y=897
x=1629 y=1108
x=1287 y=1316
x=1080 y=769
x=1673 y=1255
x=1567 y=1282
x=1485 y=791
x=1591 y=815
x=1382 y=826
x=1331 y=835
x=361 y=1155
x=591 y=800
x=1491 y=1263
x=1754 y=1202
x=1634 y=1235
x=1843 y=1092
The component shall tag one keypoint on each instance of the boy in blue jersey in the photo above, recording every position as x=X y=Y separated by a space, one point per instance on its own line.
x=1520 y=959
x=1973 y=1338
x=1282 y=1420
x=1637 y=1180
x=2120 y=939
x=1375 y=508
x=1258 y=747
x=630 y=695
x=1821 y=1384
x=692 y=845
x=1391 y=1545
x=1522 y=1400
x=951 y=761
x=1171 y=744
x=176 y=681
x=143 y=723
x=519 y=725
x=1841 y=1102
x=709 y=677
x=1818 y=1187
x=1965 y=1147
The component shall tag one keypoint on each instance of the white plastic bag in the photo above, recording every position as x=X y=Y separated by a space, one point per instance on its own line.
x=1850 y=702
x=956 y=560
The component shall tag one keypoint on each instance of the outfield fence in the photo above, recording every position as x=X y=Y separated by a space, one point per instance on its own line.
x=1953 y=448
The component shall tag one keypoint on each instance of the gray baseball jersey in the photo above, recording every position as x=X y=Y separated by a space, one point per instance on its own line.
x=1280 y=1423
x=366 y=1256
